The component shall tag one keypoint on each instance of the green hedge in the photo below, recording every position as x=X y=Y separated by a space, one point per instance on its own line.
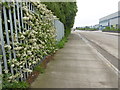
x=111 y=29
x=87 y=29
x=65 y=11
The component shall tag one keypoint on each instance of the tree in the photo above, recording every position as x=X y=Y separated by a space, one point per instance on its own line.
x=65 y=11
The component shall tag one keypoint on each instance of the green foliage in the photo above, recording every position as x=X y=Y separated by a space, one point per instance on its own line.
x=61 y=43
x=67 y=32
x=87 y=29
x=39 y=41
x=106 y=29
x=39 y=69
x=119 y=30
x=7 y=84
x=1 y=81
x=111 y=29
x=0 y=56
x=65 y=11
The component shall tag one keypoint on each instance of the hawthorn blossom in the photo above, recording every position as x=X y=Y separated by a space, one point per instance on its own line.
x=38 y=40
x=7 y=47
x=18 y=48
x=26 y=18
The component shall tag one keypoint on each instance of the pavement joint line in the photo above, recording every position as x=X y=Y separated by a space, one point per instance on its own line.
x=101 y=56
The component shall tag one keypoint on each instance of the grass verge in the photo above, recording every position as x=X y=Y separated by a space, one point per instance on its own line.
x=61 y=43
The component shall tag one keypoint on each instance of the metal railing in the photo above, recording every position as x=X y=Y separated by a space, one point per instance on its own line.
x=59 y=29
x=11 y=23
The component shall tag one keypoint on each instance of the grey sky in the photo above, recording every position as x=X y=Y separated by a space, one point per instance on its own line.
x=90 y=11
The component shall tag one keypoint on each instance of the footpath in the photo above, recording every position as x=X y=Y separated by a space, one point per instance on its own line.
x=77 y=65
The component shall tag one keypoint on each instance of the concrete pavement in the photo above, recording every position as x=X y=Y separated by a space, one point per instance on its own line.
x=77 y=65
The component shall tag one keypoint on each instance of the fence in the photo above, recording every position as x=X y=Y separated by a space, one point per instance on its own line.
x=59 y=29
x=12 y=23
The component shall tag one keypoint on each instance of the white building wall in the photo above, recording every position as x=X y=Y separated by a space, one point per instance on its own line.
x=104 y=23
x=59 y=29
x=109 y=20
x=109 y=16
x=113 y=21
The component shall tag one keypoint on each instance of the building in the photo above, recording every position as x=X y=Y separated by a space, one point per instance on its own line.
x=111 y=20
x=96 y=26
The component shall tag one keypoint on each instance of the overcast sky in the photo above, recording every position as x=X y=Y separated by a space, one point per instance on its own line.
x=90 y=11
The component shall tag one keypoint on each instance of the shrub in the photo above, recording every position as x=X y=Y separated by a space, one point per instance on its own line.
x=87 y=29
x=65 y=11
x=61 y=43
x=39 y=69
x=16 y=85
x=111 y=29
x=30 y=45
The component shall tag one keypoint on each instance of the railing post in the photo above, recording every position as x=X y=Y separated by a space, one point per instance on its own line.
x=0 y=48
x=0 y=66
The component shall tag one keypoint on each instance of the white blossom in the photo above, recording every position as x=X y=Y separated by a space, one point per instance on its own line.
x=18 y=48
x=12 y=1
x=6 y=70
x=11 y=77
x=25 y=49
x=18 y=55
x=17 y=63
x=8 y=31
x=37 y=33
x=32 y=40
x=30 y=16
x=27 y=70
x=21 y=66
x=29 y=52
x=22 y=37
x=7 y=47
x=12 y=65
x=26 y=18
x=29 y=64
x=9 y=21
x=34 y=62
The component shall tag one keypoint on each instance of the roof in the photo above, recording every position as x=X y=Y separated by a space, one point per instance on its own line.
x=111 y=16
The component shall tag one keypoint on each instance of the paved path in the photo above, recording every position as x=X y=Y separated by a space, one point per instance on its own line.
x=77 y=65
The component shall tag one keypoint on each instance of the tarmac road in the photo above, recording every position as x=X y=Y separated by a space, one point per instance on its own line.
x=105 y=43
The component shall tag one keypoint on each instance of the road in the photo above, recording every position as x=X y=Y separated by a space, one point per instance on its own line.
x=106 y=44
